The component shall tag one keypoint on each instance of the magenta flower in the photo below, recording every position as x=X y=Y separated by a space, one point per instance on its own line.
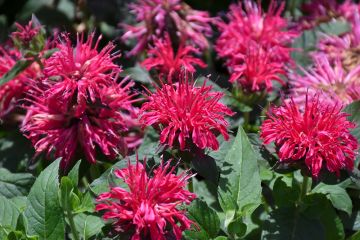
x=257 y=71
x=56 y=130
x=331 y=80
x=25 y=34
x=248 y=26
x=186 y=114
x=17 y=88
x=319 y=135
x=153 y=18
x=169 y=63
x=149 y=205
x=79 y=107
x=80 y=72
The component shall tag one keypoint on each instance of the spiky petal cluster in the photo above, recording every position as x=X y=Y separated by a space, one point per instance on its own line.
x=25 y=34
x=150 y=204
x=319 y=135
x=257 y=70
x=79 y=107
x=169 y=63
x=331 y=79
x=187 y=114
x=80 y=72
x=249 y=25
x=156 y=17
x=16 y=88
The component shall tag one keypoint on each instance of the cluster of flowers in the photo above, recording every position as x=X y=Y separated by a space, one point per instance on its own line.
x=76 y=103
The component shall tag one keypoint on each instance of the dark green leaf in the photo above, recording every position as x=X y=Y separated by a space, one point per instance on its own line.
x=206 y=218
x=74 y=174
x=206 y=167
x=9 y=215
x=337 y=195
x=239 y=182
x=44 y=213
x=88 y=225
x=137 y=73
x=14 y=184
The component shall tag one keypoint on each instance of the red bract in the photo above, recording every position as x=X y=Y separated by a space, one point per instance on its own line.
x=55 y=129
x=16 y=88
x=156 y=17
x=257 y=71
x=169 y=63
x=185 y=112
x=79 y=73
x=319 y=135
x=150 y=204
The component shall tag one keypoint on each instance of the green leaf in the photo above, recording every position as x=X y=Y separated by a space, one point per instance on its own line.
x=150 y=146
x=137 y=73
x=337 y=195
x=206 y=167
x=237 y=228
x=354 y=110
x=88 y=225
x=9 y=215
x=14 y=184
x=86 y=204
x=19 y=66
x=74 y=174
x=206 y=218
x=239 y=182
x=286 y=193
x=44 y=213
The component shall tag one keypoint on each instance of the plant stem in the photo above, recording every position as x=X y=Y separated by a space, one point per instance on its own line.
x=246 y=120
x=191 y=185
x=70 y=217
x=304 y=187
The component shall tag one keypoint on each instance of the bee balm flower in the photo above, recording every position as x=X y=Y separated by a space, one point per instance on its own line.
x=149 y=204
x=319 y=135
x=187 y=113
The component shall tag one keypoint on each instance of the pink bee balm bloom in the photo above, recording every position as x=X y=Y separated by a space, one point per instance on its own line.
x=248 y=23
x=17 y=88
x=56 y=130
x=149 y=204
x=80 y=72
x=168 y=63
x=257 y=71
x=319 y=135
x=156 y=17
x=187 y=113
x=26 y=33
x=332 y=80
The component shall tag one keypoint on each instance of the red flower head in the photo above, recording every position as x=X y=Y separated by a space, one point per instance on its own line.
x=79 y=73
x=185 y=112
x=25 y=34
x=319 y=135
x=168 y=63
x=257 y=70
x=150 y=204
x=56 y=129
x=250 y=24
x=156 y=17
x=16 y=88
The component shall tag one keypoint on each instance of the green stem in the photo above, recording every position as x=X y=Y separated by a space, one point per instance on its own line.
x=304 y=187
x=70 y=217
x=191 y=185
x=246 y=120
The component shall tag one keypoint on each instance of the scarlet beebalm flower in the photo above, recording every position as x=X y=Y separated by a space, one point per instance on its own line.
x=257 y=71
x=169 y=63
x=17 y=88
x=25 y=34
x=150 y=204
x=80 y=72
x=319 y=135
x=248 y=23
x=330 y=79
x=187 y=113
x=56 y=129
x=153 y=20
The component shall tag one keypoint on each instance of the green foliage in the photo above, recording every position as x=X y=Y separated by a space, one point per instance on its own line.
x=14 y=184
